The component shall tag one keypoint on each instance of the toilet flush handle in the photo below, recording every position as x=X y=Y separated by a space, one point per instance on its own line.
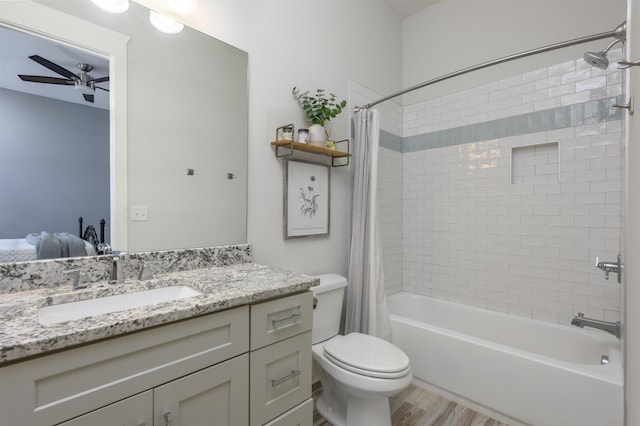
x=315 y=301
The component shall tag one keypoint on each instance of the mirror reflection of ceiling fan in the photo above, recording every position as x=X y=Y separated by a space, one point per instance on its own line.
x=83 y=81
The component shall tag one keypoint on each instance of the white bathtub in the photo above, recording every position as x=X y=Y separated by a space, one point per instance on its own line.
x=531 y=371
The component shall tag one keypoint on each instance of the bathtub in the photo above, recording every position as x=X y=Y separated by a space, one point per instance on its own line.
x=521 y=370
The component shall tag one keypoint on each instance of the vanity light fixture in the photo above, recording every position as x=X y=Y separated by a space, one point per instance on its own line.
x=113 y=6
x=164 y=23
x=182 y=6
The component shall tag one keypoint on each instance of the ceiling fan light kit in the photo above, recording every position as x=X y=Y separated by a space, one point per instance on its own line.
x=113 y=6
x=164 y=23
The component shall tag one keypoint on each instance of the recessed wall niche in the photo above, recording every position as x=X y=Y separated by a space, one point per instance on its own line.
x=533 y=164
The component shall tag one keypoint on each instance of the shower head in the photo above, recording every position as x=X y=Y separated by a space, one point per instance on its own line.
x=599 y=59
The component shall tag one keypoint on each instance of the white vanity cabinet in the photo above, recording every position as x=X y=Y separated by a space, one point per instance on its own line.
x=280 y=383
x=246 y=365
x=187 y=369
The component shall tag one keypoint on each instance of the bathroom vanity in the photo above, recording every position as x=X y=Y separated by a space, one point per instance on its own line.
x=238 y=353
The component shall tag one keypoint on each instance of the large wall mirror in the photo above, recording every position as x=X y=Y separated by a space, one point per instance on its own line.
x=177 y=128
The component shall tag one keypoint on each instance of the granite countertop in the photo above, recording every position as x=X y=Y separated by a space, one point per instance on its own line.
x=22 y=335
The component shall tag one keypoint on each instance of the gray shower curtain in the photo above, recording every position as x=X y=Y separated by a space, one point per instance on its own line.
x=366 y=310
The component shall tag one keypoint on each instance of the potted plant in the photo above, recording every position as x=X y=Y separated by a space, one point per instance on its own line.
x=319 y=108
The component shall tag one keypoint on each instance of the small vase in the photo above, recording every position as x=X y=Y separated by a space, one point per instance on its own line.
x=317 y=134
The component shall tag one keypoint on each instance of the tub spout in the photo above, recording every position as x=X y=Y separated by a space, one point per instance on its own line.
x=614 y=328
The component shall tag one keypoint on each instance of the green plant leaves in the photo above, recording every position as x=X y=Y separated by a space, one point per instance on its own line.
x=319 y=107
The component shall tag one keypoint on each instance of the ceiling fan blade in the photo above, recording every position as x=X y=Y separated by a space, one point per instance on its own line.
x=102 y=88
x=100 y=80
x=88 y=98
x=53 y=67
x=44 y=79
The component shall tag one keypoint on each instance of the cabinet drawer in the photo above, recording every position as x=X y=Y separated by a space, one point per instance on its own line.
x=57 y=387
x=279 y=319
x=280 y=377
x=302 y=415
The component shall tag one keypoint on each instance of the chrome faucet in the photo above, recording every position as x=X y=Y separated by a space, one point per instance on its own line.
x=614 y=328
x=607 y=267
x=117 y=277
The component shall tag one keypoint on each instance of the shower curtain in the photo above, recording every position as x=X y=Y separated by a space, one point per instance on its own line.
x=366 y=310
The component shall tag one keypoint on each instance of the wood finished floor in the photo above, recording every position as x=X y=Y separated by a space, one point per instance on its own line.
x=419 y=407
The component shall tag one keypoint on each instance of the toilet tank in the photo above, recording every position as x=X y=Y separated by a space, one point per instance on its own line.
x=328 y=310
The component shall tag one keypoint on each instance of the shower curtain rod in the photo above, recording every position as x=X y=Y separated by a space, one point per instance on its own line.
x=548 y=48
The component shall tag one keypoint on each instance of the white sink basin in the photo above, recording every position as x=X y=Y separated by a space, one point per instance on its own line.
x=103 y=305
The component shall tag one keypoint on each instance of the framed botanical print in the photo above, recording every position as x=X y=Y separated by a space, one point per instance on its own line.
x=306 y=199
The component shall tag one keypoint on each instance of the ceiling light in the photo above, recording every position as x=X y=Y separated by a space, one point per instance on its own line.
x=182 y=6
x=164 y=23
x=113 y=6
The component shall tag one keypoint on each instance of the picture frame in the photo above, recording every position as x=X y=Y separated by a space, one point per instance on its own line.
x=307 y=199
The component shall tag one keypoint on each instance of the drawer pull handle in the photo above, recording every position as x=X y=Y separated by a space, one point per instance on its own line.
x=168 y=419
x=293 y=319
x=276 y=382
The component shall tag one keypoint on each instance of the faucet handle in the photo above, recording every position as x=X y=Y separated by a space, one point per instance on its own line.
x=79 y=278
x=145 y=272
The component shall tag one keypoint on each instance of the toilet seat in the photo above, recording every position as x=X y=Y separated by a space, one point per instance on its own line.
x=367 y=355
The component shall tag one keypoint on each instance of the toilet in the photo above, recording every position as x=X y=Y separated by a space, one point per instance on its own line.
x=359 y=373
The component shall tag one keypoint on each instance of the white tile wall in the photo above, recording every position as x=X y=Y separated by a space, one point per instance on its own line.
x=534 y=164
x=455 y=226
x=527 y=247
x=559 y=85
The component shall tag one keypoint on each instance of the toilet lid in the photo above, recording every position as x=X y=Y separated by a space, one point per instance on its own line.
x=367 y=355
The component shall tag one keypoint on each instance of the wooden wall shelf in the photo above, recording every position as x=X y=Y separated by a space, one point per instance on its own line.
x=291 y=146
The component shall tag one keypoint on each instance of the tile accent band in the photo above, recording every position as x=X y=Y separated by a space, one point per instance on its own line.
x=574 y=115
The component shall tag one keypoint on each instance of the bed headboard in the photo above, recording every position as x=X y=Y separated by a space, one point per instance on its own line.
x=89 y=234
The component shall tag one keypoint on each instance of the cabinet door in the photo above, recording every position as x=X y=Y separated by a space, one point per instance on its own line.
x=133 y=411
x=217 y=395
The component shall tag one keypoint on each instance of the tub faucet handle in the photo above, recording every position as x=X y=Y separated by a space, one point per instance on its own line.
x=607 y=267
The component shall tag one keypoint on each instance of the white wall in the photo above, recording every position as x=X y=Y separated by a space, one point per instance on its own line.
x=456 y=34
x=309 y=44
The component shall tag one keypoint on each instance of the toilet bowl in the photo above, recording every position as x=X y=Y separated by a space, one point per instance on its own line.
x=359 y=372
